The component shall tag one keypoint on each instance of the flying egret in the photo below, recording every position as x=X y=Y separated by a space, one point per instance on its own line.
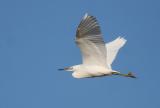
x=96 y=54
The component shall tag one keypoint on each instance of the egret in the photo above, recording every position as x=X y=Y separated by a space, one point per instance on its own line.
x=97 y=56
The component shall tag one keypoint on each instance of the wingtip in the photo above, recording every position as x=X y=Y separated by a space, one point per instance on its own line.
x=122 y=38
x=85 y=16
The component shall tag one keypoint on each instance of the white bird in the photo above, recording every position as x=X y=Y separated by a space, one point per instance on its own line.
x=97 y=55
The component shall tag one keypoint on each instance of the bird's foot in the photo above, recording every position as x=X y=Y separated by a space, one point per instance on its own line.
x=130 y=74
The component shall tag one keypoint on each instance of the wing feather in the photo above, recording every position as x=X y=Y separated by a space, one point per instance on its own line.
x=90 y=42
x=113 y=48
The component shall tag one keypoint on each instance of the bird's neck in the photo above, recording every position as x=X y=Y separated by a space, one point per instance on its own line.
x=76 y=67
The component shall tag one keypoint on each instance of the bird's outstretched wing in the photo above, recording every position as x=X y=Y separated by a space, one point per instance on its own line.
x=113 y=48
x=90 y=42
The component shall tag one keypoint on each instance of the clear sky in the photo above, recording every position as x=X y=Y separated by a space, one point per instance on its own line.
x=37 y=38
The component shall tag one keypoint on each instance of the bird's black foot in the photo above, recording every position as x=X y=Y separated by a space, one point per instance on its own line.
x=130 y=74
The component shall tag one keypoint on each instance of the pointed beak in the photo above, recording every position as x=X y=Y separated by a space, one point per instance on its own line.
x=61 y=69
x=66 y=69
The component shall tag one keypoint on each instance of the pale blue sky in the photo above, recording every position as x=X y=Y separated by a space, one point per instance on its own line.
x=37 y=38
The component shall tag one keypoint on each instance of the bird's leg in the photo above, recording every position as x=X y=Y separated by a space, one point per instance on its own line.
x=125 y=75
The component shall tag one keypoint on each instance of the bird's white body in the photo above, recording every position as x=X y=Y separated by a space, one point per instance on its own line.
x=112 y=48
x=97 y=55
x=82 y=71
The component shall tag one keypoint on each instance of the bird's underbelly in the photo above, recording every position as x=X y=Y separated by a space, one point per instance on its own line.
x=91 y=72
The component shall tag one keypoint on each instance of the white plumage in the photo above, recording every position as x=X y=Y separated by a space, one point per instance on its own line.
x=97 y=56
x=113 y=48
